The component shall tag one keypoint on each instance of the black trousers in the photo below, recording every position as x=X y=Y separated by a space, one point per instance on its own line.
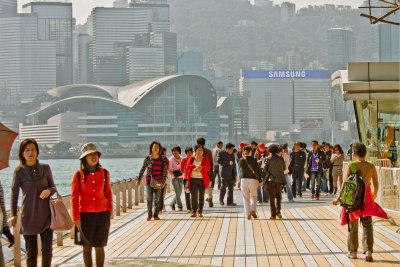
x=297 y=176
x=330 y=180
x=31 y=245
x=197 y=191
x=216 y=176
x=275 y=196
x=227 y=183
x=187 y=196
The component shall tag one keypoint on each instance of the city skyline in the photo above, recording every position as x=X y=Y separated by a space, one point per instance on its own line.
x=82 y=9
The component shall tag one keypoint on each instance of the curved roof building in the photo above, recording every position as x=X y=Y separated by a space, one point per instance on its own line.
x=174 y=110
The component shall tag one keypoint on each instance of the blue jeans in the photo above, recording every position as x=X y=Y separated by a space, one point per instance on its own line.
x=324 y=183
x=263 y=196
x=316 y=183
x=156 y=195
x=177 y=183
x=288 y=188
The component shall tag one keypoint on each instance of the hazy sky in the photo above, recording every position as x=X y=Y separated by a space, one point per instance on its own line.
x=82 y=8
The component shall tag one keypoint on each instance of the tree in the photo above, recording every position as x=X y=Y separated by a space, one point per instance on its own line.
x=62 y=147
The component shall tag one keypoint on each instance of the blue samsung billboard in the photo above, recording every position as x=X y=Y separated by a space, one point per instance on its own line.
x=286 y=74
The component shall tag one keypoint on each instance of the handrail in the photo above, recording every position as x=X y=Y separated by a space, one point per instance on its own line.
x=122 y=187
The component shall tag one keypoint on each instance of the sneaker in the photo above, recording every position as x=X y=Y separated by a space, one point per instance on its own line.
x=279 y=215
x=172 y=207
x=148 y=219
x=156 y=218
x=352 y=255
x=221 y=203
x=248 y=217
x=368 y=256
x=312 y=196
x=231 y=204
x=210 y=203
x=254 y=214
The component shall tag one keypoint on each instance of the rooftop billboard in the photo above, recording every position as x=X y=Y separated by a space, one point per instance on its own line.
x=286 y=74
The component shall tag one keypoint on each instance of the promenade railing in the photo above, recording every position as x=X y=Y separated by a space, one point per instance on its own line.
x=126 y=194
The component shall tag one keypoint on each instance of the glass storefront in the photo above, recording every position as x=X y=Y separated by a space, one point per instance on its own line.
x=379 y=128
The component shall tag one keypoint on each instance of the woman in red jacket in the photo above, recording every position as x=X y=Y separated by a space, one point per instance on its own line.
x=197 y=170
x=91 y=205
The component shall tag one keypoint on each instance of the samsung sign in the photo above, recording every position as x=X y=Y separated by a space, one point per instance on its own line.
x=286 y=74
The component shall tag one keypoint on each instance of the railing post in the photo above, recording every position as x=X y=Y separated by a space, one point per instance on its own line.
x=17 y=241
x=124 y=189
x=129 y=184
x=136 y=188
x=142 y=182
x=117 y=199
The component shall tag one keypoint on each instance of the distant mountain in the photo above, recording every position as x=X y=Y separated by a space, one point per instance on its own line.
x=212 y=26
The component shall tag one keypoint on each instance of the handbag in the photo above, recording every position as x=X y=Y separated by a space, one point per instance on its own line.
x=177 y=173
x=156 y=184
x=60 y=219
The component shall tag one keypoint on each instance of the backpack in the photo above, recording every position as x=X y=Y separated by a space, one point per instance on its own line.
x=353 y=193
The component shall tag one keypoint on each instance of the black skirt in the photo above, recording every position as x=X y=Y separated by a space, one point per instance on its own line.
x=95 y=227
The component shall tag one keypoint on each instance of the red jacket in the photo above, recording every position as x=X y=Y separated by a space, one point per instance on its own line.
x=93 y=195
x=205 y=164
x=183 y=167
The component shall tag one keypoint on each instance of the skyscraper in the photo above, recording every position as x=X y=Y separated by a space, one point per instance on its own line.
x=288 y=12
x=55 y=23
x=341 y=48
x=8 y=8
x=27 y=64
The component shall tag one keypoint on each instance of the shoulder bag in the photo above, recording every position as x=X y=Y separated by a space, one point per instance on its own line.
x=60 y=219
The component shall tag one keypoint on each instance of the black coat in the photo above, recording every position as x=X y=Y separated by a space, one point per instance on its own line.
x=227 y=171
x=322 y=158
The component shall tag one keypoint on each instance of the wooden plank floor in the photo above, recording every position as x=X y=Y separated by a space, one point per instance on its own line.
x=308 y=235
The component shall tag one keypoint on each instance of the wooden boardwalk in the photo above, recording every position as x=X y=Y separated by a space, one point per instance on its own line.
x=308 y=235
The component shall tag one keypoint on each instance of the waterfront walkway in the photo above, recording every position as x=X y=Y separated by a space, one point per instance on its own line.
x=308 y=235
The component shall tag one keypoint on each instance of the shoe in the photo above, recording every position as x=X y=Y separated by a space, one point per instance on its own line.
x=189 y=211
x=200 y=214
x=272 y=218
x=301 y=195
x=368 y=256
x=148 y=219
x=248 y=217
x=210 y=203
x=352 y=255
x=334 y=192
x=180 y=209
x=156 y=218
x=194 y=215
x=172 y=207
x=316 y=198
x=221 y=203
x=254 y=214
x=206 y=199
x=326 y=194
x=291 y=201
x=279 y=215
x=231 y=204
x=312 y=196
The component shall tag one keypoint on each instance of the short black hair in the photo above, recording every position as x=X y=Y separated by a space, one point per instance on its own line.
x=229 y=145
x=359 y=149
x=254 y=143
x=177 y=148
x=303 y=145
x=187 y=149
x=274 y=149
x=197 y=147
x=151 y=147
x=220 y=143
x=314 y=141
x=201 y=141
x=247 y=149
x=285 y=145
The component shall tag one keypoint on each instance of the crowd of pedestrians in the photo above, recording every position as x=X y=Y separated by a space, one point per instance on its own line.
x=263 y=172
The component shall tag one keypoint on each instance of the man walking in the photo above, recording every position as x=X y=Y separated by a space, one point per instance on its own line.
x=216 y=173
x=296 y=168
x=315 y=161
x=226 y=161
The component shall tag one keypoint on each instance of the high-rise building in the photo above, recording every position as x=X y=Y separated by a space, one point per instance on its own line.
x=55 y=23
x=121 y=4
x=288 y=12
x=8 y=8
x=168 y=40
x=145 y=63
x=341 y=48
x=389 y=41
x=159 y=10
x=27 y=63
x=281 y=98
x=85 y=71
